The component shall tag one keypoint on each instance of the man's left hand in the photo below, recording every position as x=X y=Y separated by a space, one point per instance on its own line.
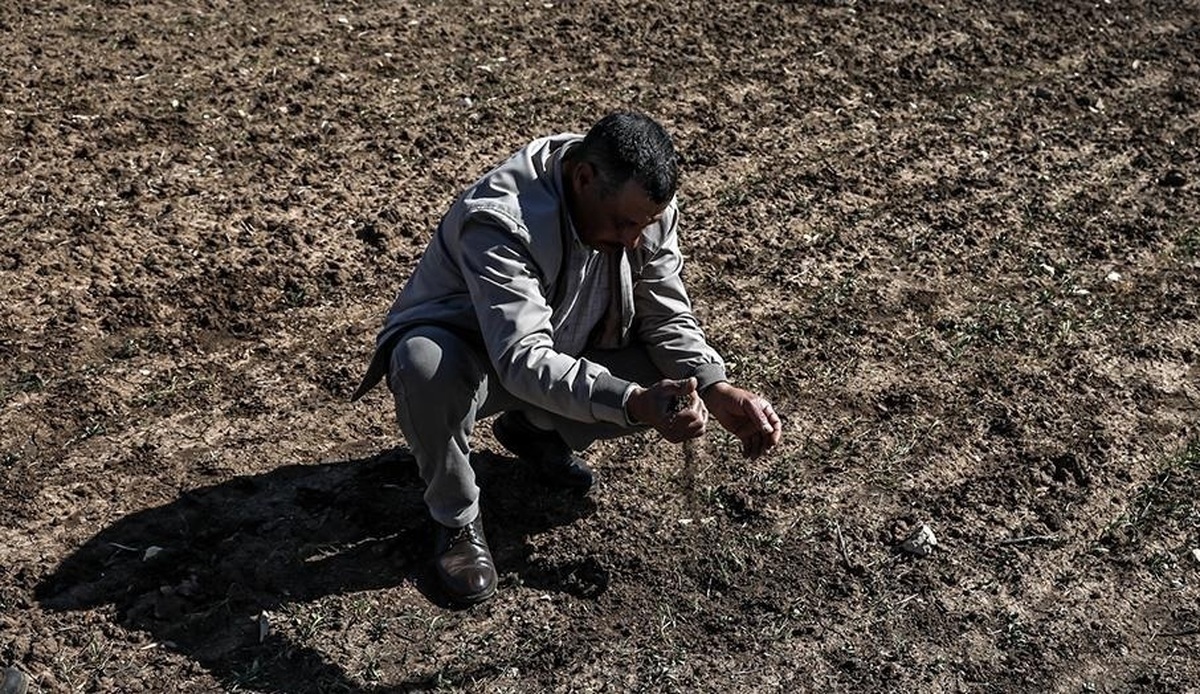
x=746 y=415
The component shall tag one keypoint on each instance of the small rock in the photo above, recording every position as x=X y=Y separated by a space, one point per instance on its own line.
x=264 y=625
x=1113 y=276
x=1173 y=179
x=921 y=542
x=1196 y=555
x=13 y=680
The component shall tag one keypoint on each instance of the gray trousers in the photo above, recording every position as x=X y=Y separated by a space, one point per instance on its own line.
x=443 y=384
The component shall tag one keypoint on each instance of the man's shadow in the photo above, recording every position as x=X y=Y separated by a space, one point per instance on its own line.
x=194 y=573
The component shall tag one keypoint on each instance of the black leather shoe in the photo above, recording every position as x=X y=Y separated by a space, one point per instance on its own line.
x=464 y=563
x=545 y=450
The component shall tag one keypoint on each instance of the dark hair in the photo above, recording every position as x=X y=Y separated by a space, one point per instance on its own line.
x=626 y=145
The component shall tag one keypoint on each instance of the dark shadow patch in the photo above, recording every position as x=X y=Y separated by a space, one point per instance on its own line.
x=193 y=573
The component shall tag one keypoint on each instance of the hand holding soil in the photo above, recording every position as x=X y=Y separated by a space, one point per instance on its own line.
x=672 y=408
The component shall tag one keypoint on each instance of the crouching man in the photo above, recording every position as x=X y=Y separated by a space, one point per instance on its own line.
x=551 y=295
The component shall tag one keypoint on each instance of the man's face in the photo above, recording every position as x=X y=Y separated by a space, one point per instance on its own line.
x=615 y=221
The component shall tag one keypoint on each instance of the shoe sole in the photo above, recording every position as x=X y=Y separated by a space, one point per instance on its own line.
x=469 y=600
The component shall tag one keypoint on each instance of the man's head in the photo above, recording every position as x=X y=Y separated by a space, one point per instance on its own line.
x=620 y=179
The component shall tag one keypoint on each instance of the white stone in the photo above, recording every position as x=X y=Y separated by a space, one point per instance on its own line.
x=921 y=542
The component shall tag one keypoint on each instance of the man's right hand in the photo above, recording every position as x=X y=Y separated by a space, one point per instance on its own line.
x=657 y=406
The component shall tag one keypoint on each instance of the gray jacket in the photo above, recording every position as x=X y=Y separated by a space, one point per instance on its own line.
x=499 y=284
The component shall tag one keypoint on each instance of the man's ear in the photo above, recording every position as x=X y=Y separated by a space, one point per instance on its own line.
x=583 y=176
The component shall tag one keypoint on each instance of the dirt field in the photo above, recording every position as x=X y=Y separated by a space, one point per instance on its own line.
x=958 y=247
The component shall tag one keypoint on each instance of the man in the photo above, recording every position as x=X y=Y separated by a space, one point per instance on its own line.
x=551 y=293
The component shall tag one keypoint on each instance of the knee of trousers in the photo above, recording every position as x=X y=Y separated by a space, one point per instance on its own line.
x=435 y=368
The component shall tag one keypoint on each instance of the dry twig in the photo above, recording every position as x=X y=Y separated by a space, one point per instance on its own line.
x=1030 y=539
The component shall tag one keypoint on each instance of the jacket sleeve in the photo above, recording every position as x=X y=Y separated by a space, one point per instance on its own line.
x=664 y=320
x=514 y=319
